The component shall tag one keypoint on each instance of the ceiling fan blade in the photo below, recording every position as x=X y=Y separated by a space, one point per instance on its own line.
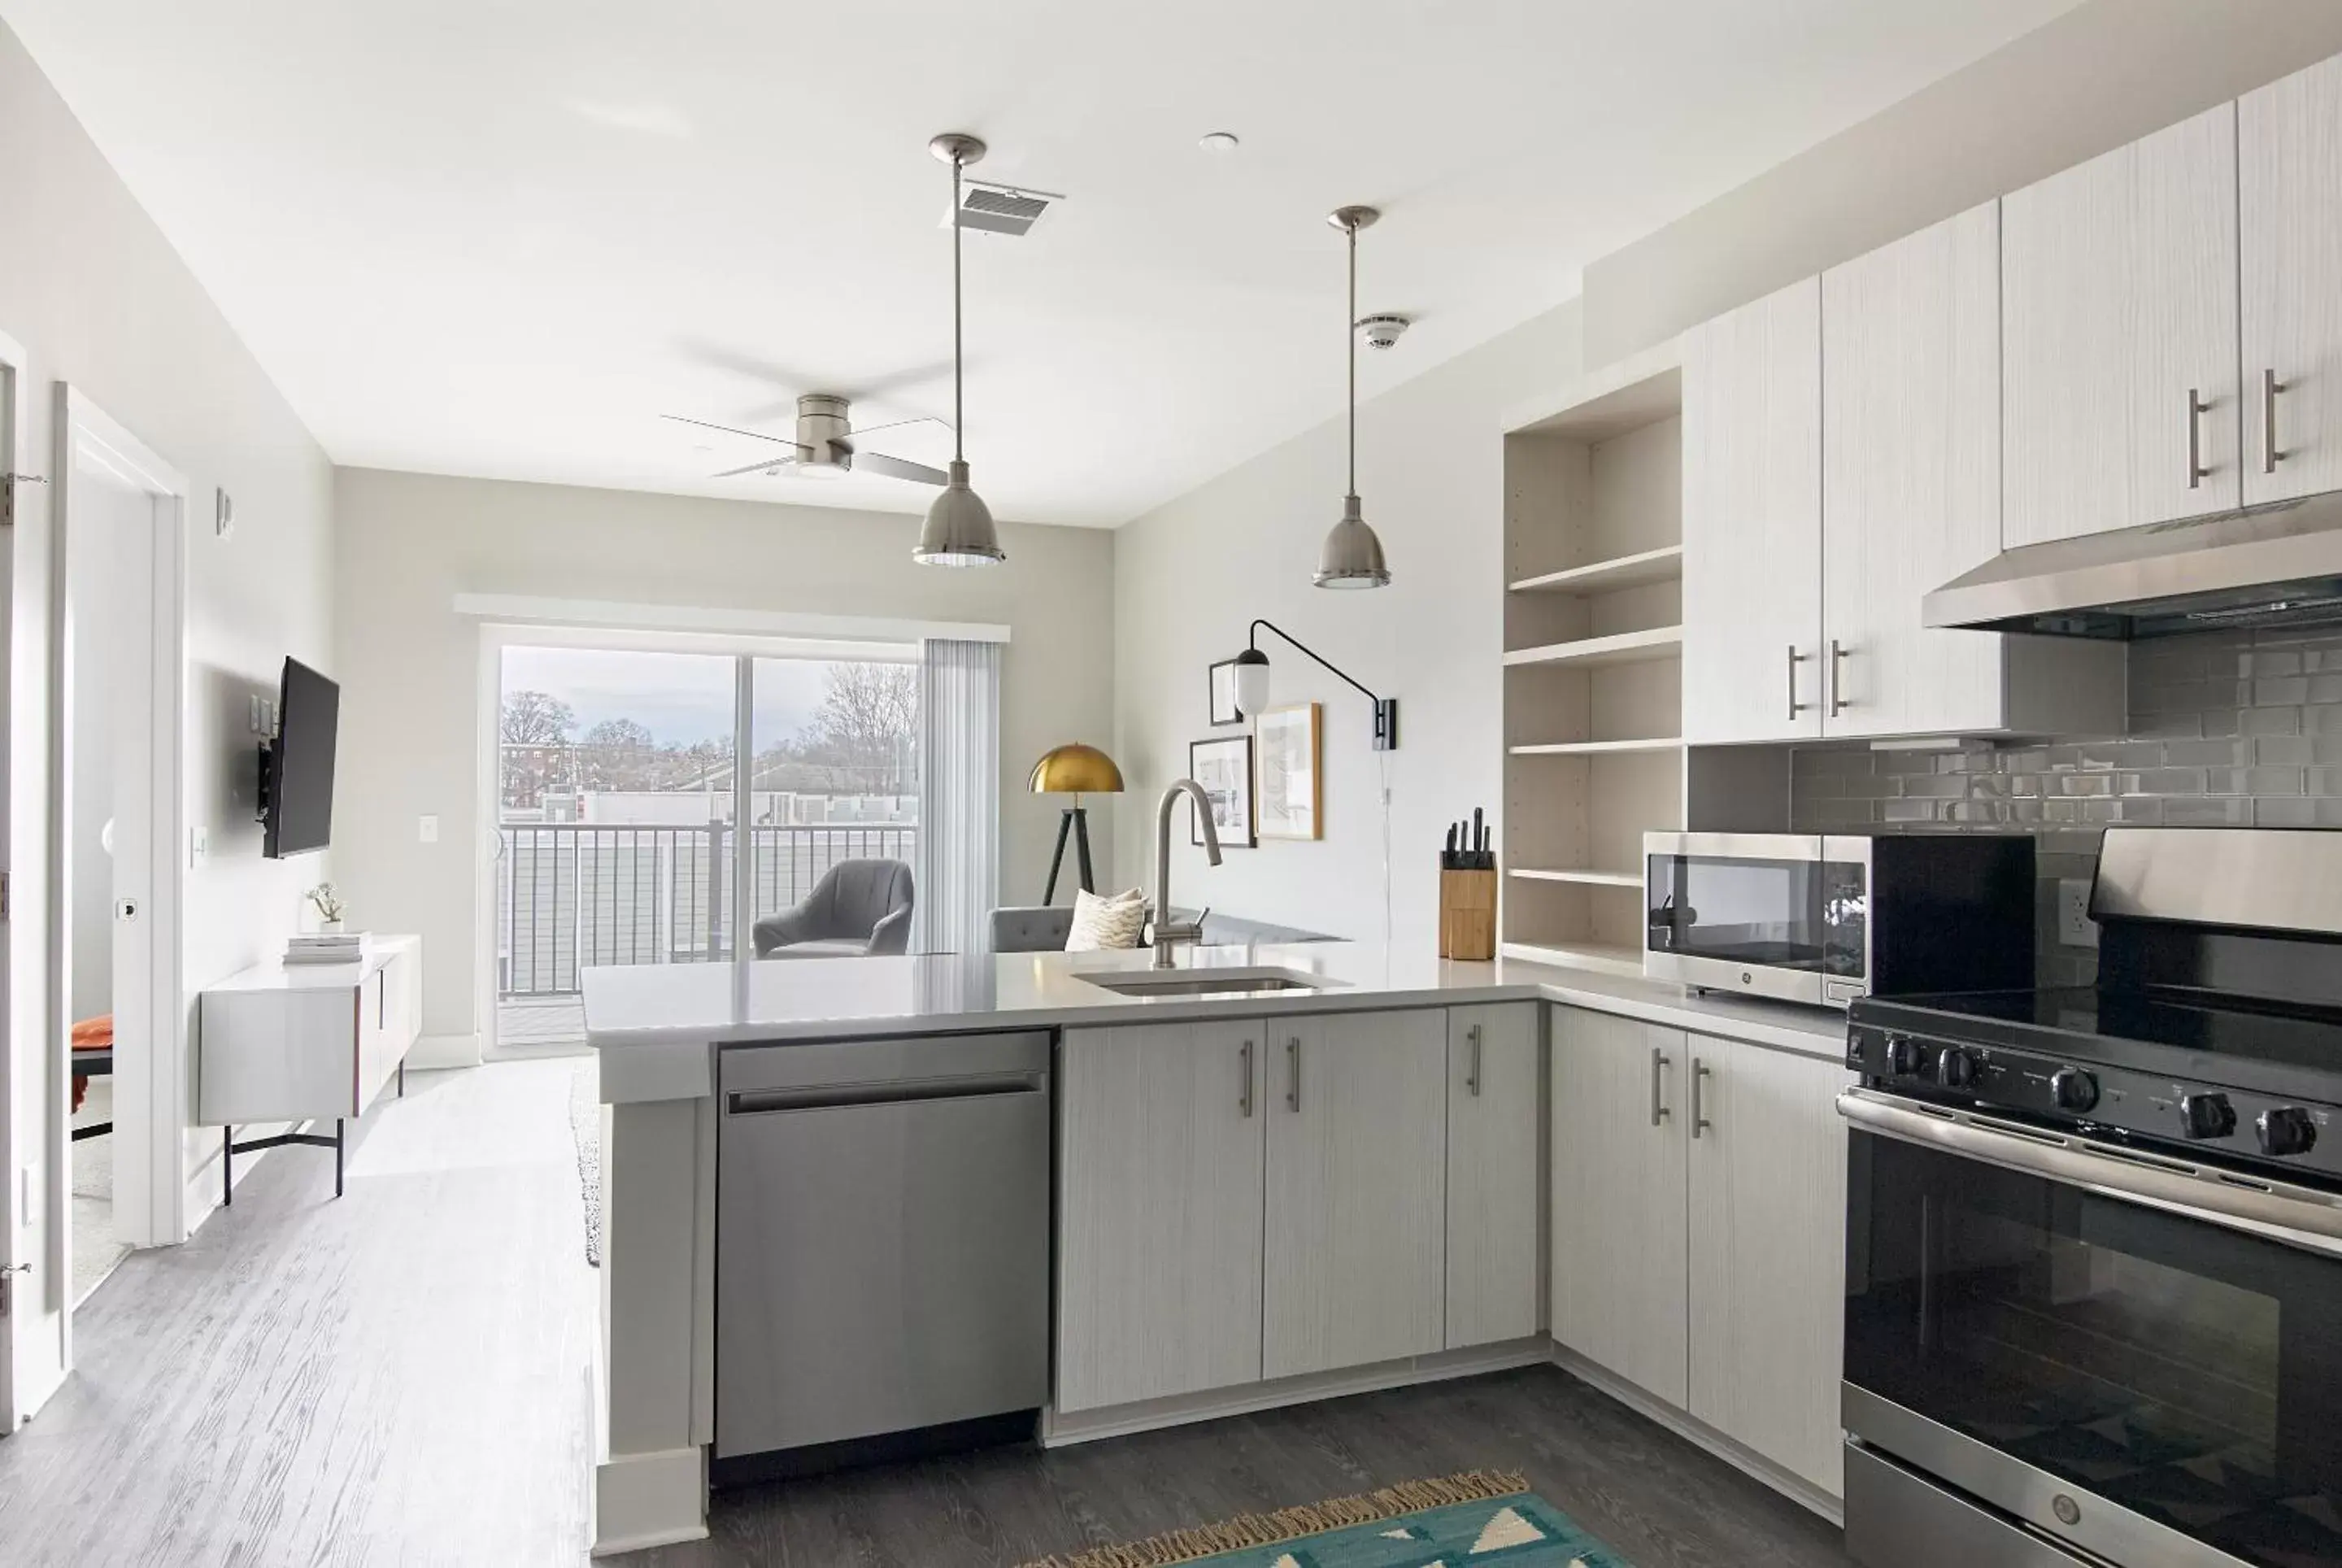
x=861 y=430
x=774 y=466
x=896 y=469
x=733 y=430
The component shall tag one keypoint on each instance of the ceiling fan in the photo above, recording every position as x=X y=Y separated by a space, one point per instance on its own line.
x=827 y=446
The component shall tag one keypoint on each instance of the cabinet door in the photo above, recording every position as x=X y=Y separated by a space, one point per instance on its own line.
x=2289 y=200
x=1910 y=477
x=1619 y=1282
x=1752 y=520
x=1159 y=1211
x=1768 y=1252
x=2118 y=301
x=1358 y=1215
x=1495 y=1107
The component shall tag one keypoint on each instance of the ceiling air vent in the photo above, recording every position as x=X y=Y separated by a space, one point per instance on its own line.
x=1001 y=209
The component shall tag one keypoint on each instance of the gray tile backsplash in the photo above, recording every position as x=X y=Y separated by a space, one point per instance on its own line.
x=2237 y=729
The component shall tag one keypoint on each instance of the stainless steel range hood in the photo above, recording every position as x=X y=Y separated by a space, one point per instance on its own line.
x=2272 y=566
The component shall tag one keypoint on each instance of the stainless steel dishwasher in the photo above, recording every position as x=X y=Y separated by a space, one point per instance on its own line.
x=882 y=1240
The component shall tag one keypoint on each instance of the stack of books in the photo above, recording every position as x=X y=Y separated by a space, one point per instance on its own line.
x=326 y=948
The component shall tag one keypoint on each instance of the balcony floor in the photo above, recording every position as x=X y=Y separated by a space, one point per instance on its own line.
x=539 y=1026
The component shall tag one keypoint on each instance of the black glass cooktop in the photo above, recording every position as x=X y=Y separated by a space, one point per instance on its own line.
x=2184 y=1033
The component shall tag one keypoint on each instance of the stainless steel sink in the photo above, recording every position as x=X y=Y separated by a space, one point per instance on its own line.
x=1201 y=982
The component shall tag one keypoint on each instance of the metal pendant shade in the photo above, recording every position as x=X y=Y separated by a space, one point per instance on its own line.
x=958 y=531
x=1352 y=556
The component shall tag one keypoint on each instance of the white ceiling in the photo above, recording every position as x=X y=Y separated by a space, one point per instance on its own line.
x=501 y=237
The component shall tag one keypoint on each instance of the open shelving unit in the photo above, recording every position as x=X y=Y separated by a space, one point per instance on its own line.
x=1593 y=670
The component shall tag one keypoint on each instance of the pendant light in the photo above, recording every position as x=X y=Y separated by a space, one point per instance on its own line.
x=958 y=531
x=1352 y=556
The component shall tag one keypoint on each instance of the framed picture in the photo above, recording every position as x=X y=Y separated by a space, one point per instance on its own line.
x=1224 y=709
x=1289 y=768
x=1223 y=767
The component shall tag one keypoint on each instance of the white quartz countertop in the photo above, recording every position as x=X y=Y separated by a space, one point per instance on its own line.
x=657 y=1025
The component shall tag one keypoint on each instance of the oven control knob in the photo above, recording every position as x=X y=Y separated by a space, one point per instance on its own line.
x=2287 y=1130
x=1956 y=1067
x=2206 y=1115
x=1902 y=1056
x=2073 y=1089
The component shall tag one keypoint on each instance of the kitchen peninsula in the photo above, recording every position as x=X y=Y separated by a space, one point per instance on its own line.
x=1280 y=1172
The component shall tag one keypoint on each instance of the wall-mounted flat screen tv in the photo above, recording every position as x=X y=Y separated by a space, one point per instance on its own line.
x=296 y=770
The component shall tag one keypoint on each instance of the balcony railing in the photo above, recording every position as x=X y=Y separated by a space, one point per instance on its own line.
x=573 y=895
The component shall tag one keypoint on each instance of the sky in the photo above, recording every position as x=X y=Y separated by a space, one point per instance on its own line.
x=681 y=698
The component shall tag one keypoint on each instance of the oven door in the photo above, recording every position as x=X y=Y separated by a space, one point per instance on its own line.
x=1756 y=913
x=2120 y=1353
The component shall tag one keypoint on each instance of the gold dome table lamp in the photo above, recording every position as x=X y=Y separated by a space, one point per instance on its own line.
x=1077 y=770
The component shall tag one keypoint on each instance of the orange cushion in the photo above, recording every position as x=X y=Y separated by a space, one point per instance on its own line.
x=94 y=1034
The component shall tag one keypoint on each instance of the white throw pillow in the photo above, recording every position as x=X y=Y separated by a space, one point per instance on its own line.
x=1111 y=920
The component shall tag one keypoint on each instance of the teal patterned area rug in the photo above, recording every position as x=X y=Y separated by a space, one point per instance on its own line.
x=1480 y=1518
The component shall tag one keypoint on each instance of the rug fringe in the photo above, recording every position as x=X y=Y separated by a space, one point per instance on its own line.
x=1292 y=1523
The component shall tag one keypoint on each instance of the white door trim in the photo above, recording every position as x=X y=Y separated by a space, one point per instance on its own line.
x=151 y=1105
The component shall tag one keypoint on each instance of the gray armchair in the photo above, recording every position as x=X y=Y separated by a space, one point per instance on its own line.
x=859 y=908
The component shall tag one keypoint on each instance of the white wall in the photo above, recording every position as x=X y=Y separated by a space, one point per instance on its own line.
x=2105 y=74
x=98 y=299
x=409 y=666
x=94 y=719
x=1191 y=575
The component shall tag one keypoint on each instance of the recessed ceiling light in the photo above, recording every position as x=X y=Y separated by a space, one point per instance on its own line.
x=1218 y=141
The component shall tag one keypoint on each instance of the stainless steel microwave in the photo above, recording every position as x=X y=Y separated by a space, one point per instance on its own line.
x=1800 y=917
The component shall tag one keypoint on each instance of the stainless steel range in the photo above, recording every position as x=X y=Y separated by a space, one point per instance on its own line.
x=2094 y=1263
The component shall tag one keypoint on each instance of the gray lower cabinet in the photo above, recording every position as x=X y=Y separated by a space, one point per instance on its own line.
x=1160 y=1169
x=1495 y=1119
x=1354 y=1251
x=1619 y=1293
x=1769 y=1254
x=1699 y=1228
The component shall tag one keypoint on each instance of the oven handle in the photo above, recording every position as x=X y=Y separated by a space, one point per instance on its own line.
x=2299 y=1216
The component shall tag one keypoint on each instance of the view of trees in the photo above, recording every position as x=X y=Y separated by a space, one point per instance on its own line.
x=863 y=739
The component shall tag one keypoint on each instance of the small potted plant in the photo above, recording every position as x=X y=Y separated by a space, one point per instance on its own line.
x=328 y=905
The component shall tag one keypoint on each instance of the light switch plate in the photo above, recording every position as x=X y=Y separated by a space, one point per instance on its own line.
x=427 y=829
x=199 y=845
x=2075 y=927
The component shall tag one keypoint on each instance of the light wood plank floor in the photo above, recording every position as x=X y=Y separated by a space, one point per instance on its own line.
x=403 y=1377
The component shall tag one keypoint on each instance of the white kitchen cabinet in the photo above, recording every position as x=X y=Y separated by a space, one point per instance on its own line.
x=2290 y=203
x=1767 y=1190
x=1496 y=1111
x=2119 y=337
x=1619 y=1295
x=1357 y=1215
x=1911 y=499
x=1160 y=1167
x=1752 y=521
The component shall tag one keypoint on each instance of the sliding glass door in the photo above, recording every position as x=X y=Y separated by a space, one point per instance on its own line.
x=621 y=795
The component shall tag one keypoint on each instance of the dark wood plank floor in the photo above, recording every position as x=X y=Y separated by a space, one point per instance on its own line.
x=1658 y=1501
x=403 y=1376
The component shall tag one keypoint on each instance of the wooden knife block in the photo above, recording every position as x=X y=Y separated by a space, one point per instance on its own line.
x=1467 y=915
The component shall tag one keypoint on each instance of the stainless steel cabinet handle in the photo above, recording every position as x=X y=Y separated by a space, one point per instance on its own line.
x=1243 y=1098
x=1699 y=1076
x=2270 y=455
x=2196 y=471
x=1293 y=1071
x=1660 y=1062
x=1838 y=702
x=1472 y=1078
x=1796 y=659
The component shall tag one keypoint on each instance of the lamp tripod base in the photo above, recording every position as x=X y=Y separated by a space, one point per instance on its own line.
x=1075 y=822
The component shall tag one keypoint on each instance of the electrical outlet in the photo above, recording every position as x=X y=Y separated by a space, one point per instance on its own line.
x=2075 y=927
x=427 y=829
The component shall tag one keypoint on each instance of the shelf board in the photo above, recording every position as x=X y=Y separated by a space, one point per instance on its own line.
x=1577 y=956
x=1641 y=389
x=1622 y=647
x=1599 y=748
x=1577 y=874
x=1601 y=576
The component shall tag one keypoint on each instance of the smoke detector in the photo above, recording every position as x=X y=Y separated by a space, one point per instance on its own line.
x=997 y=208
x=1381 y=331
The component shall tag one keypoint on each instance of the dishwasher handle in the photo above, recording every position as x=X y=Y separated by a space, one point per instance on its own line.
x=916 y=1092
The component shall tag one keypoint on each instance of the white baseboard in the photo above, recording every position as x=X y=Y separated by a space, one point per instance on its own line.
x=436 y=1050
x=1057 y=1431
x=1692 y=1429
x=646 y=1500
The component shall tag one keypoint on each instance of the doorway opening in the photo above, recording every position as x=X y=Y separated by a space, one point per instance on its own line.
x=621 y=798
